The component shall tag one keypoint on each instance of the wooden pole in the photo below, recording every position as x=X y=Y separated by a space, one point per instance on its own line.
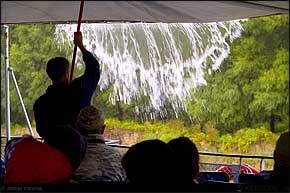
x=75 y=48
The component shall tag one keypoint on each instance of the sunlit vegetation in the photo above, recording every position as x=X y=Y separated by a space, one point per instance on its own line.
x=251 y=141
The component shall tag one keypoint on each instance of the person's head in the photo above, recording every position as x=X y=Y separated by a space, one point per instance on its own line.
x=69 y=141
x=187 y=158
x=90 y=121
x=150 y=162
x=58 y=70
x=281 y=153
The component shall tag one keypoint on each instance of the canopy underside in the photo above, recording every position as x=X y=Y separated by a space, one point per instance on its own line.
x=14 y=12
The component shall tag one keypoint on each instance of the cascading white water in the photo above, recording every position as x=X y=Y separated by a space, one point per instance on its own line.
x=163 y=62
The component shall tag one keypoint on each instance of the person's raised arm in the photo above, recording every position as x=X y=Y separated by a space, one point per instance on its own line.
x=89 y=80
x=92 y=65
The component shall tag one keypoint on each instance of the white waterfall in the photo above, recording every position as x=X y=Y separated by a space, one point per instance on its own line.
x=163 y=62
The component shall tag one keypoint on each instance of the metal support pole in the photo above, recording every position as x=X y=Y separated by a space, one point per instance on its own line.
x=240 y=164
x=6 y=83
x=237 y=170
x=21 y=101
x=262 y=165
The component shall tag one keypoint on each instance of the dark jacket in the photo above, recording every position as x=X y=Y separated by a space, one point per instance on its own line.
x=61 y=104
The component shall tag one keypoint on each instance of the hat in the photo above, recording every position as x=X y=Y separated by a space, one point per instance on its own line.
x=90 y=118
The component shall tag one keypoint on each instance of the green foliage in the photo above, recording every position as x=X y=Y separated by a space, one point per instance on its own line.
x=253 y=141
x=159 y=130
x=13 y=127
x=252 y=84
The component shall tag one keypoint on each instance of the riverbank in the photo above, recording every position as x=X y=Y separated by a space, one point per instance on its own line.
x=258 y=141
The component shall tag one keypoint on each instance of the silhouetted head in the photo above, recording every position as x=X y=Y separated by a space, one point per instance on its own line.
x=149 y=162
x=281 y=152
x=280 y=175
x=187 y=158
x=91 y=121
x=58 y=70
x=69 y=141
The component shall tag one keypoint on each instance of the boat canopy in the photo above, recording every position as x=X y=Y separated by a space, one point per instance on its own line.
x=17 y=12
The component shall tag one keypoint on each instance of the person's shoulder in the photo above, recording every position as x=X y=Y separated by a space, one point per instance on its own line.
x=39 y=100
x=112 y=150
x=86 y=53
x=75 y=84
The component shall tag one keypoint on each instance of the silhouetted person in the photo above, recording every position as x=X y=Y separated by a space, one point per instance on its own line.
x=56 y=111
x=187 y=158
x=101 y=162
x=149 y=163
x=62 y=101
x=69 y=141
x=280 y=175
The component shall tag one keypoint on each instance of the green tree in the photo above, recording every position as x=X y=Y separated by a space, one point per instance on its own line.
x=251 y=88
